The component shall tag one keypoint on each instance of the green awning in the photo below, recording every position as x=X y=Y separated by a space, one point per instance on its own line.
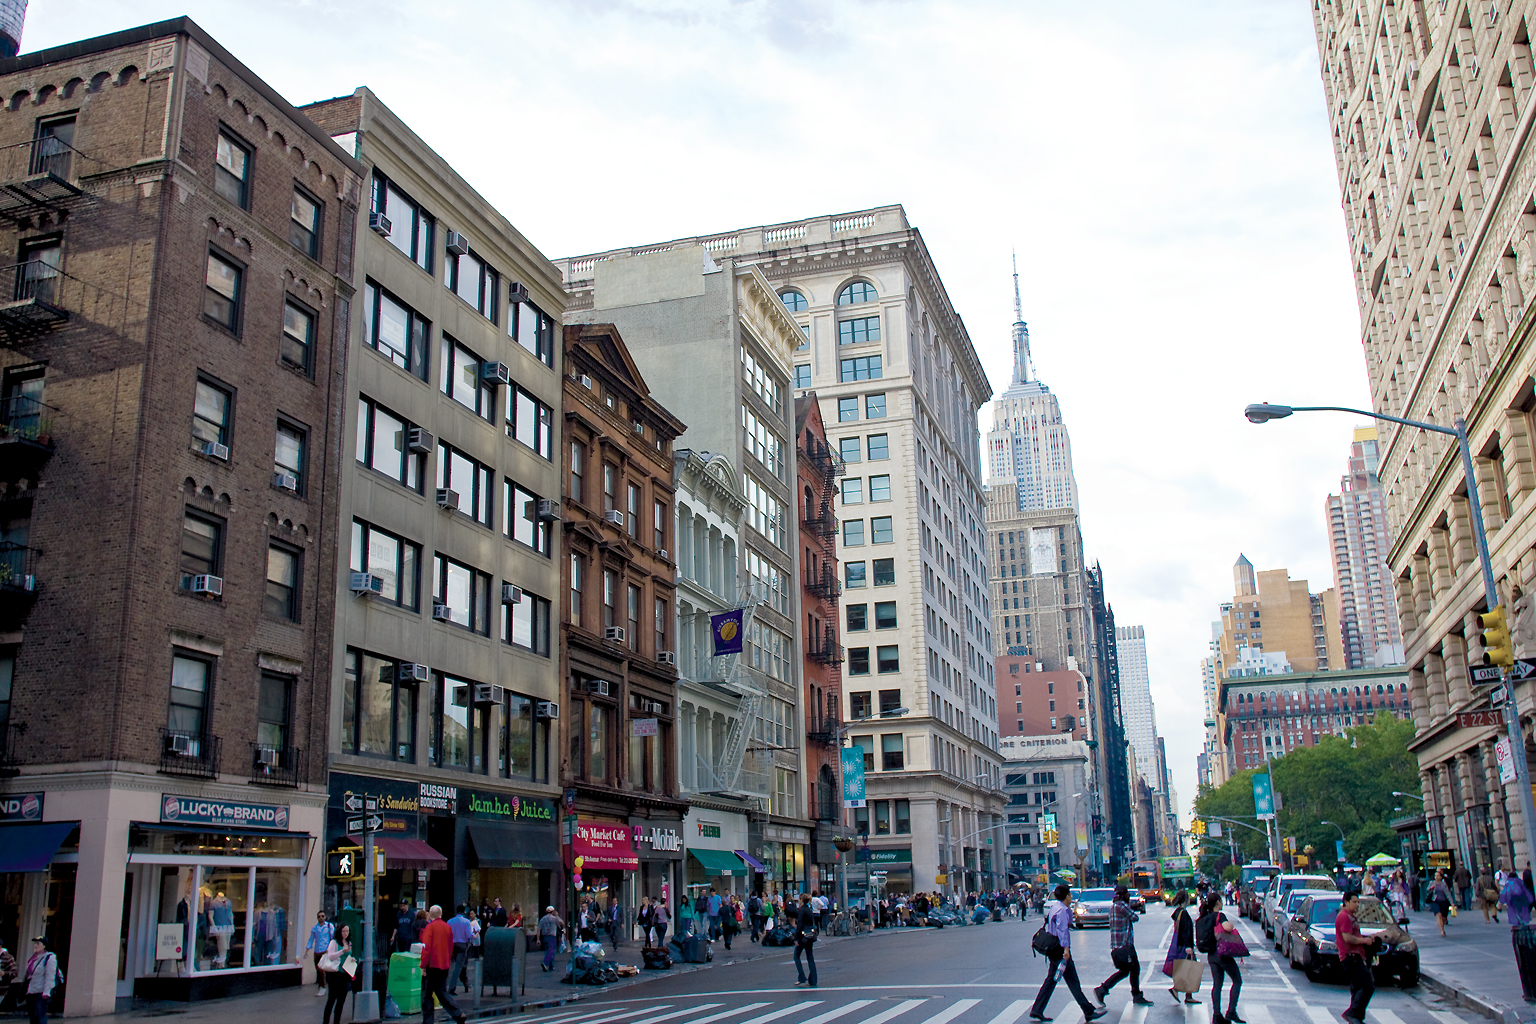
x=718 y=862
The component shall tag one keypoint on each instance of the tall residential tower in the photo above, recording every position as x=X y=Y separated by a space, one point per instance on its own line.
x=1357 y=524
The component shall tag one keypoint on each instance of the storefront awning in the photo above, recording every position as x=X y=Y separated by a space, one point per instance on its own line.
x=751 y=861
x=31 y=847
x=412 y=854
x=717 y=862
x=498 y=847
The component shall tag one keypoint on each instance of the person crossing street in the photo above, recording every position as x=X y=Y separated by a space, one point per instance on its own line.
x=1058 y=922
x=1122 y=949
x=805 y=940
x=1355 y=957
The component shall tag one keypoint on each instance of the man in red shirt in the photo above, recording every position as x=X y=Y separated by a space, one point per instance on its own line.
x=1354 y=958
x=436 y=959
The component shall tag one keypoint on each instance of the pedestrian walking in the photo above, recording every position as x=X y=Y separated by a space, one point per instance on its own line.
x=615 y=922
x=549 y=935
x=730 y=919
x=462 y=931
x=8 y=980
x=436 y=962
x=1182 y=945
x=1122 y=949
x=338 y=949
x=1209 y=931
x=1413 y=888
x=660 y=918
x=755 y=913
x=498 y=917
x=1488 y=896
x=1517 y=898
x=1440 y=898
x=805 y=940
x=42 y=976
x=1354 y=958
x=476 y=937
x=319 y=940
x=1058 y=922
x=1463 y=879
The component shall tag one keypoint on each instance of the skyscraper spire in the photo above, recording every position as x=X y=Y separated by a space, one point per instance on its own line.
x=1021 y=366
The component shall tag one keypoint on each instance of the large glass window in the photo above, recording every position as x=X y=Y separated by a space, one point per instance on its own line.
x=396 y=331
x=383 y=444
x=191 y=679
x=852 y=490
x=465 y=590
x=221 y=296
x=858 y=618
x=860 y=368
x=802 y=376
x=768 y=387
x=232 y=170
x=523 y=522
x=874 y=406
x=887 y=658
x=769 y=583
x=472 y=279
x=880 y=488
x=885 y=614
x=526 y=624
x=764 y=512
x=211 y=409
x=858 y=661
x=396 y=561
x=304 y=223
x=282 y=598
x=524 y=740
x=288 y=453
x=458 y=733
x=850 y=449
x=885 y=572
x=410 y=228
x=298 y=337
x=764 y=445
x=853 y=533
x=847 y=410
x=793 y=300
x=535 y=332
x=467 y=478
x=223 y=907
x=855 y=293
x=881 y=530
x=858 y=330
x=378 y=709
x=530 y=421
x=879 y=447
x=461 y=379
x=854 y=575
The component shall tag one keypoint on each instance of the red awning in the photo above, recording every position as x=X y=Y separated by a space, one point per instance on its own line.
x=412 y=854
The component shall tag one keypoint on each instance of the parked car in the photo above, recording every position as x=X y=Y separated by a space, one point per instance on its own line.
x=1288 y=905
x=1284 y=884
x=1313 y=947
x=1251 y=897
x=1091 y=907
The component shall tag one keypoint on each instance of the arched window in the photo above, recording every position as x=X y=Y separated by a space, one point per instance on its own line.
x=793 y=300
x=858 y=291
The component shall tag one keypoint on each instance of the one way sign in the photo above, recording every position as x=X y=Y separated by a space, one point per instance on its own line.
x=1523 y=668
x=359 y=825
x=355 y=802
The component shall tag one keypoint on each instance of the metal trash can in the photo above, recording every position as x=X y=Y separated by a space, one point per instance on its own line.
x=1524 y=938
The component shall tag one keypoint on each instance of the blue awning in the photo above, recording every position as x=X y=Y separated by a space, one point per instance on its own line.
x=31 y=847
x=751 y=861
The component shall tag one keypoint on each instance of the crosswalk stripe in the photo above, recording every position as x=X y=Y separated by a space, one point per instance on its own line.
x=677 y=1013
x=598 y=1018
x=895 y=1011
x=579 y=1015
x=945 y=1016
x=1015 y=1010
x=1320 y=1015
x=1129 y=1014
x=1386 y=1017
x=1445 y=1017
x=1258 y=1013
x=728 y=1013
x=776 y=1014
x=837 y=1012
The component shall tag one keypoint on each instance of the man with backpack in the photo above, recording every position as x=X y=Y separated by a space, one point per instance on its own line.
x=755 y=911
x=43 y=975
x=1058 y=954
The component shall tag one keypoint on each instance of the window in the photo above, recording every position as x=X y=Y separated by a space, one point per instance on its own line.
x=853 y=575
x=221 y=296
x=793 y=301
x=577 y=489
x=768 y=582
x=882 y=817
x=232 y=170
x=858 y=617
x=858 y=661
x=861 y=818
x=396 y=331
x=37 y=272
x=282 y=600
x=576 y=582
x=524 y=741
x=880 y=488
x=211 y=411
x=410 y=228
x=858 y=291
x=632 y=617
x=298 y=337
x=610 y=598
x=202 y=546
x=879 y=447
x=396 y=561
x=888 y=658
x=903 y=817
x=765 y=446
x=853 y=533
x=890 y=700
x=458 y=729
x=858 y=331
x=53 y=151
x=874 y=406
x=867 y=744
x=885 y=572
x=288 y=454
x=191 y=679
x=881 y=530
x=523 y=522
x=632 y=521
x=378 y=709
x=859 y=368
x=382 y=445
x=892 y=753
x=659 y=625
x=274 y=703
x=535 y=332
x=472 y=279
x=461 y=380
x=764 y=512
x=761 y=381
x=659 y=521
x=802 y=376
x=853 y=490
x=850 y=449
x=610 y=487
x=860 y=705
x=470 y=480
x=847 y=410
x=885 y=614
x=526 y=624
x=465 y=590
x=304 y=223
x=529 y=421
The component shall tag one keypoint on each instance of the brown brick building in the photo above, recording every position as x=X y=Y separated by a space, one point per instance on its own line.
x=169 y=457
x=618 y=648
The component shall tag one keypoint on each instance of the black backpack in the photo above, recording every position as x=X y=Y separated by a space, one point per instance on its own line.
x=1046 y=944
x=1205 y=933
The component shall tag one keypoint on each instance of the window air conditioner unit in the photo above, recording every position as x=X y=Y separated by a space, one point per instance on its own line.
x=379 y=223
x=516 y=293
x=266 y=758
x=661 y=553
x=412 y=672
x=455 y=243
x=210 y=585
x=584 y=381
x=614 y=516
x=214 y=450
x=666 y=658
x=615 y=633
x=442 y=613
x=547 y=709
x=651 y=707
x=285 y=482
x=599 y=686
x=549 y=510
x=419 y=440
x=495 y=373
x=511 y=594
x=489 y=693
x=448 y=498
x=180 y=743
x=365 y=584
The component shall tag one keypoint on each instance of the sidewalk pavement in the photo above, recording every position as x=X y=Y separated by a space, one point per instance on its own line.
x=1474 y=963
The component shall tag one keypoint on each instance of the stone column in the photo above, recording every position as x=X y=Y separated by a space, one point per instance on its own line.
x=1516 y=442
x=1442 y=571
x=1419 y=694
x=1454 y=651
x=1423 y=598
x=1433 y=815
x=1466 y=772
x=1495 y=790
x=1407 y=614
x=1434 y=681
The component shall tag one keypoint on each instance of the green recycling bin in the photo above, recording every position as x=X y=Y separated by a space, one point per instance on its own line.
x=405 y=981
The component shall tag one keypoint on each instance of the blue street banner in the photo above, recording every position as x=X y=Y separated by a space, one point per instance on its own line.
x=853 y=776
x=1263 y=797
x=728 y=631
x=1338 y=848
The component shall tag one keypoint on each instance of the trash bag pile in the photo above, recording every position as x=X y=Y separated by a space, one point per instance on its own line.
x=656 y=959
x=587 y=966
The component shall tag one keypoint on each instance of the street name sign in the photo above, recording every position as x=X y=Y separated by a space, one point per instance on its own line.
x=1480 y=719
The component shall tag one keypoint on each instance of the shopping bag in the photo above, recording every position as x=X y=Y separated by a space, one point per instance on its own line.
x=1230 y=944
x=1453 y=910
x=1188 y=975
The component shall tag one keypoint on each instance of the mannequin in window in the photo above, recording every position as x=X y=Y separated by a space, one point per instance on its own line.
x=221 y=925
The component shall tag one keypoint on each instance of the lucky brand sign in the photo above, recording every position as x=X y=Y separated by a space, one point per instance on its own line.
x=21 y=807
x=185 y=810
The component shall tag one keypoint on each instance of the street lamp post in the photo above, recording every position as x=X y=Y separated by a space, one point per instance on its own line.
x=842 y=869
x=1341 y=837
x=1263 y=412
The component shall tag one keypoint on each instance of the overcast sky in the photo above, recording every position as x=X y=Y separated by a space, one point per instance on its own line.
x=1164 y=170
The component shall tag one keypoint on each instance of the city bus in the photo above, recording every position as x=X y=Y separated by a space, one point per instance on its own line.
x=1177 y=873
x=1146 y=879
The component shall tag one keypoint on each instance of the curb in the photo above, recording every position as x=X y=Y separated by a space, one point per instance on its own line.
x=1470 y=1000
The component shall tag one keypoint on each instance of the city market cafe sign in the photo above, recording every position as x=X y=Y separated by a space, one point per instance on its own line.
x=185 y=810
x=500 y=807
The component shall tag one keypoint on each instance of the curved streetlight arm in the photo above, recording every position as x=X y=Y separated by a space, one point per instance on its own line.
x=1335 y=824
x=1408 y=795
x=1262 y=412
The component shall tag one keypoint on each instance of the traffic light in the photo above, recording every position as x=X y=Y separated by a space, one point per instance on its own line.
x=1198 y=827
x=1497 y=648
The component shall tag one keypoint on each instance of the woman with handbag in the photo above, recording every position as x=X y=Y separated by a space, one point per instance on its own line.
x=338 y=982
x=1440 y=896
x=1182 y=950
x=1217 y=937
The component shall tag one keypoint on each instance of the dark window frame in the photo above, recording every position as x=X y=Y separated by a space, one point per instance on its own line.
x=482 y=484
x=235 y=321
x=226 y=431
x=221 y=174
x=287 y=339
x=423 y=224
x=409 y=459
x=50 y=162
x=296 y=591
x=351 y=731
x=38 y=278
x=221 y=533
x=409 y=601
x=210 y=667
x=303 y=468
x=290 y=686
x=479 y=613
x=488 y=287
x=539 y=626
x=543 y=332
x=515 y=499
x=416 y=363
x=314 y=247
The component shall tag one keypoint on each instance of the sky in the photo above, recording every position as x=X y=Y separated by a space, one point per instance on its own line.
x=1163 y=170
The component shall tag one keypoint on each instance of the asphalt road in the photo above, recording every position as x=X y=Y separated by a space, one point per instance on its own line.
x=971 y=975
